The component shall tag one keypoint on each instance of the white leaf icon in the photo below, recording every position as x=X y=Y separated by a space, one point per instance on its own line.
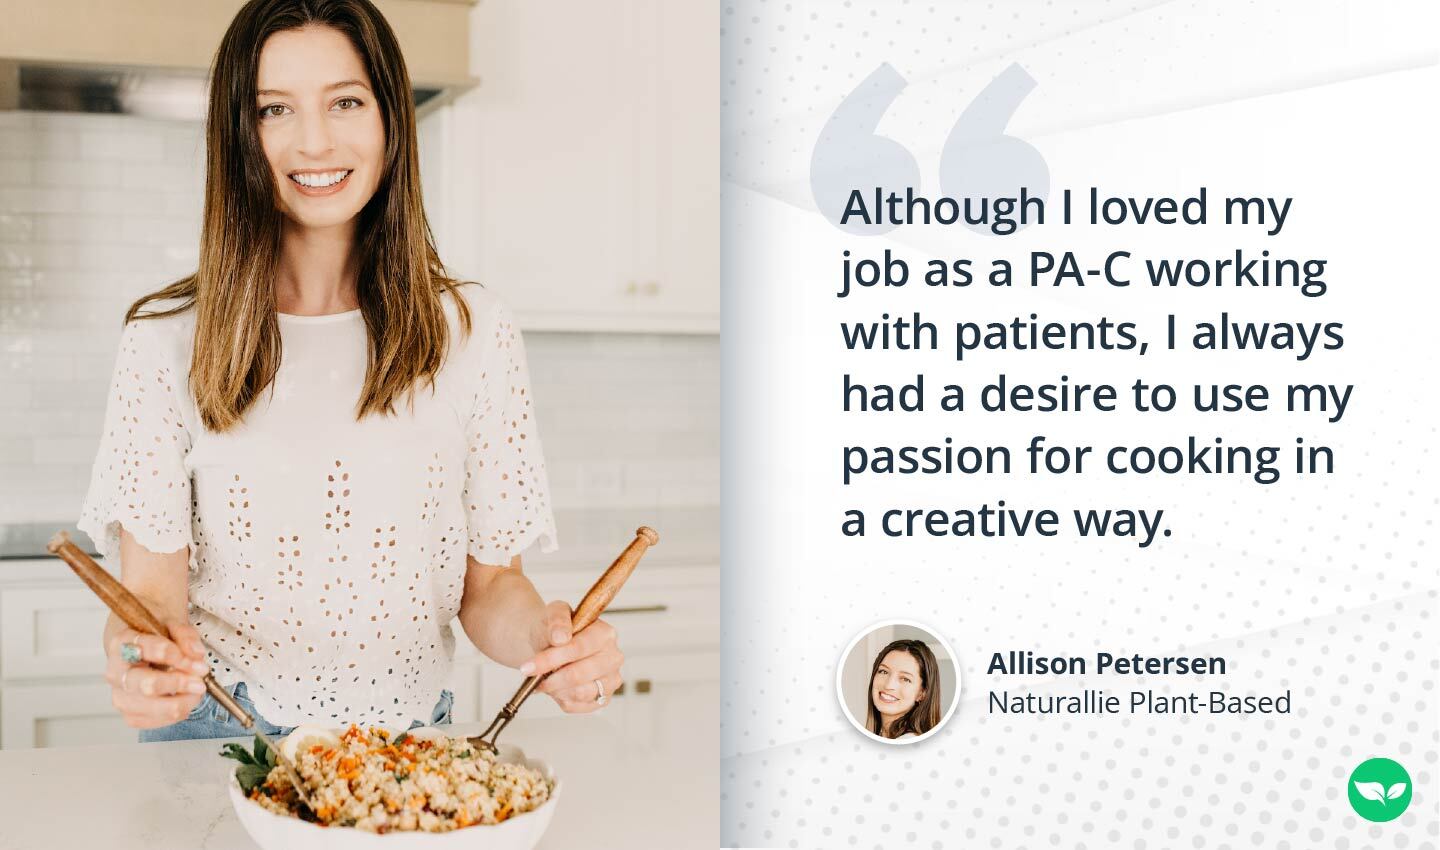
x=1373 y=791
x=1395 y=790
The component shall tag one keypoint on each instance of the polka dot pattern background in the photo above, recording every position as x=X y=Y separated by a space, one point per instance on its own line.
x=1321 y=585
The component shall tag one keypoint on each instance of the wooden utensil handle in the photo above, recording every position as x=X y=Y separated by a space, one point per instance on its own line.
x=131 y=610
x=610 y=582
x=592 y=605
x=114 y=594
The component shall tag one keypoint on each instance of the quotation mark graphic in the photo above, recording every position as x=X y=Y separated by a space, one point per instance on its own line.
x=1379 y=790
x=978 y=160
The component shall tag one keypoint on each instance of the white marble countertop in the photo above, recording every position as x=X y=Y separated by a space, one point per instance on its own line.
x=172 y=795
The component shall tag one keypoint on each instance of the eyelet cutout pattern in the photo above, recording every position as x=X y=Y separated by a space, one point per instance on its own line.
x=139 y=478
x=330 y=556
x=506 y=491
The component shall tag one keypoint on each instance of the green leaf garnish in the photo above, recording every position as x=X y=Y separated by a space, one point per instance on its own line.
x=250 y=775
x=401 y=738
x=237 y=752
x=261 y=751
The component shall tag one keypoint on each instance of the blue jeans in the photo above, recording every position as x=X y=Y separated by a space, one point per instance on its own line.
x=211 y=720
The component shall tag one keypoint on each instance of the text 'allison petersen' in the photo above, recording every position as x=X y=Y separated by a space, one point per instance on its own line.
x=1026 y=663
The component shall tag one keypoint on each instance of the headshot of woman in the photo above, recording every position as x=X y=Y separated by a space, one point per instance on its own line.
x=319 y=449
x=904 y=699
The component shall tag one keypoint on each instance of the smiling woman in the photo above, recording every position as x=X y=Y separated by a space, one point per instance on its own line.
x=319 y=519
x=323 y=136
x=904 y=690
x=898 y=682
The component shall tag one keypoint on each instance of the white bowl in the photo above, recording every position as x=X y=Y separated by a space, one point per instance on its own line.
x=281 y=832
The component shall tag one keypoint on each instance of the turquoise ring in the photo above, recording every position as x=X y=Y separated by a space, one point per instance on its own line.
x=130 y=653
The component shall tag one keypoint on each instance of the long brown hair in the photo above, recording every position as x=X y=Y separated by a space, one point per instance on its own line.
x=401 y=280
x=924 y=715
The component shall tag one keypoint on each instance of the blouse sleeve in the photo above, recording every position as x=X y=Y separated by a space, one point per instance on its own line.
x=507 y=492
x=139 y=479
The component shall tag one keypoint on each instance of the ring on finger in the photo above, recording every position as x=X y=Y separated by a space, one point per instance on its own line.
x=130 y=653
x=123 y=677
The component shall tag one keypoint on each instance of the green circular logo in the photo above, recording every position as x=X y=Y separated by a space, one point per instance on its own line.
x=1379 y=790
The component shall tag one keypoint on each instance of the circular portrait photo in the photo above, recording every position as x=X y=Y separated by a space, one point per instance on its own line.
x=898 y=682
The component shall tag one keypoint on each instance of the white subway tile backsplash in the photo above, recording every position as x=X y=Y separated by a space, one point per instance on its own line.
x=53 y=143
x=96 y=210
x=16 y=142
x=16 y=256
x=16 y=120
x=109 y=146
x=62 y=450
x=37 y=420
x=29 y=199
x=16 y=226
x=160 y=230
x=15 y=397
x=64 y=227
x=185 y=148
x=126 y=201
x=60 y=393
x=16 y=172
x=99 y=340
x=190 y=204
x=76 y=173
x=158 y=176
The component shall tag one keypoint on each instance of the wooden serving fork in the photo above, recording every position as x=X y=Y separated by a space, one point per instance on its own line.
x=596 y=599
x=131 y=610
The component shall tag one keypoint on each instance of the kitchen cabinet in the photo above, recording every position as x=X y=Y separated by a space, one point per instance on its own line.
x=60 y=714
x=583 y=172
x=51 y=690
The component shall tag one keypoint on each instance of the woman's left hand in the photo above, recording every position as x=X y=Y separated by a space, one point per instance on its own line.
x=577 y=660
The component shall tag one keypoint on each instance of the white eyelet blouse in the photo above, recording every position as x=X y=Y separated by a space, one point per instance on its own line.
x=327 y=556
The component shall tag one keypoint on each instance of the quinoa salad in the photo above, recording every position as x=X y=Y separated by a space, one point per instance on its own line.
x=379 y=783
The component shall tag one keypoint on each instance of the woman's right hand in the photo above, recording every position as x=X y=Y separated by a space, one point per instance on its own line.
x=166 y=685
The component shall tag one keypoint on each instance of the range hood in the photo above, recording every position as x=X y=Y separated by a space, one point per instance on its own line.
x=175 y=94
x=150 y=57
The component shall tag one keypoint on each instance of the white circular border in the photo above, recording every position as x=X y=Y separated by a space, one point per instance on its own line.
x=840 y=671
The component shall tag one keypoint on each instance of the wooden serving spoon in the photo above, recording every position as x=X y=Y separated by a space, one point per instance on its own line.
x=131 y=610
x=596 y=599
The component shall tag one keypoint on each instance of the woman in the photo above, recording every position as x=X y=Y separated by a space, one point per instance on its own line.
x=319 y=449
x=904 y=691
